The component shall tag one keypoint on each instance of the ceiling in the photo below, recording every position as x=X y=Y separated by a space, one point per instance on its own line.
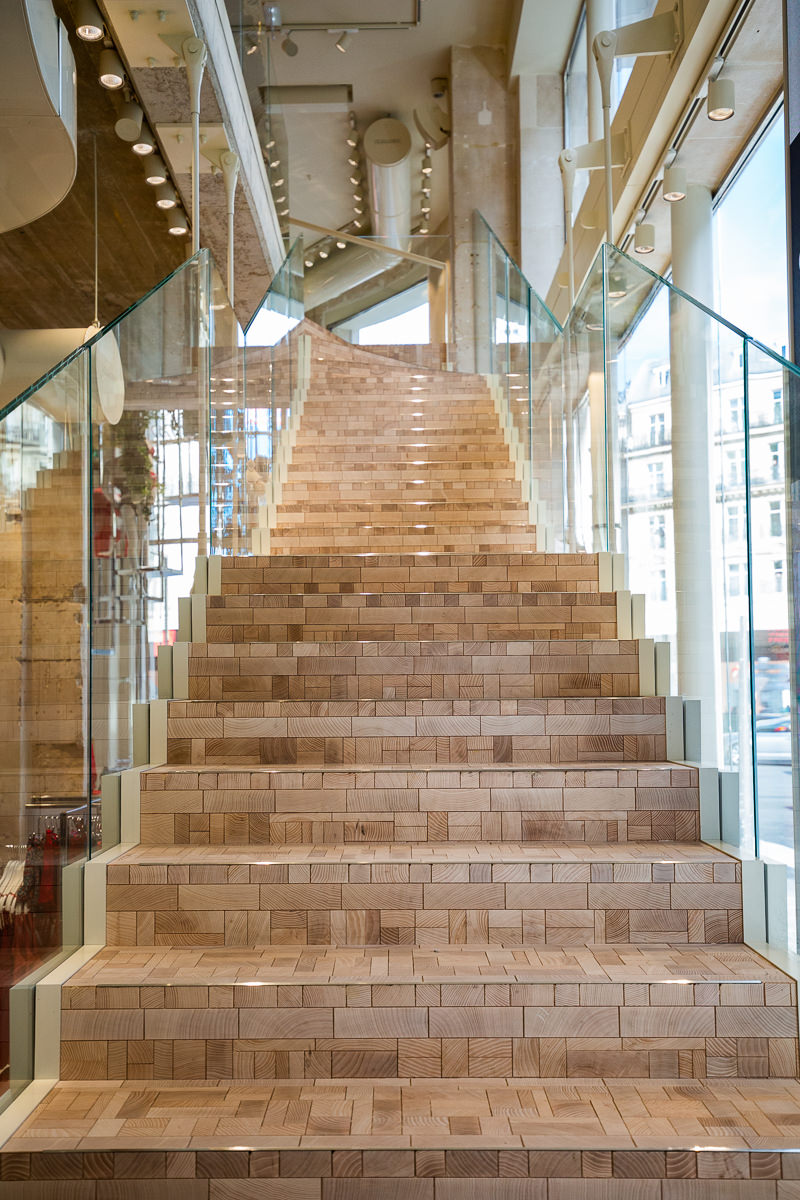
x=386 y=72
x=48 y=266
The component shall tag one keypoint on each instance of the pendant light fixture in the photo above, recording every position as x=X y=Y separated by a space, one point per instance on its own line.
x=721 y=99
x=165 y=196
x=112 y=72
x=128 y=124
x=88 y=21
x=674 y=186
x=145 y=143
x=155 y=172
x=177 y=223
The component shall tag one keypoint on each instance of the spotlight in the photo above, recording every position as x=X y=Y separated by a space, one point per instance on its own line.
x=358 y=211
x=357 y=197
x=356 y=224
x=155 y=172
x=270 y=144
x=323 y=253
x=352 y=140
x=284 y=212
x=274 y=163
x=352 y=161
x=88 y=21
x=721 y=99
x=425 y=209
x=280 y=199
x=145 y=143
x=128 y=124
x=674 y=185
x=355 y=180
x=272 y=17
x=426 y=187
x=309 y=262
x=112 y=72
x=645 y=239
x=289 y=47
x=616 y=286
x=177 y=223
x=165 y=196
x=424 y=229
x=343 y=44
x=427 y=165
x=341 y=245
x=276 y=183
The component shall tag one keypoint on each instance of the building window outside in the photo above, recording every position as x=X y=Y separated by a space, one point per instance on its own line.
x=734 y=522
x=775 y=518
x=655 y=478
x=777 y=571
x=735 y=412
x=735 y=466
x=777 y=406
x=657 y=429
x=735 y=579
x=658 y=533
x=775 y=465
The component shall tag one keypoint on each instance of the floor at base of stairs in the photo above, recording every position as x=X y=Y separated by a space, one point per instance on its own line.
x=492 y=1114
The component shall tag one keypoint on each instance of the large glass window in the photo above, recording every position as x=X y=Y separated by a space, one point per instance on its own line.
x=576 y=110
x=750 y=237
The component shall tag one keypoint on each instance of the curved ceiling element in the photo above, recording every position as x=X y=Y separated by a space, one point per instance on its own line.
x=38 y=121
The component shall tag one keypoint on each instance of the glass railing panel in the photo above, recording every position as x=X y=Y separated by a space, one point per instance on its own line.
x=149 y=410
x=228 y=461
x=678 y=498
x=276 y=369
x=46 y=767
x=390 y=295
x=585 y=453
x=769 y=384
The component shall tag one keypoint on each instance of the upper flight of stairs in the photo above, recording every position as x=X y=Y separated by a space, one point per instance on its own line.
x=420 y=908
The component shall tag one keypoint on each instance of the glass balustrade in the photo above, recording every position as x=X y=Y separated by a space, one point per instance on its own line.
x=520 y=347
x=674 y=454
x=118 y=468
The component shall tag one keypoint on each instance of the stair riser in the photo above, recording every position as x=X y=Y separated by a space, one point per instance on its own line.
x=417 y=671
x=195 y=906
x=429 y=1031
x=330 y=807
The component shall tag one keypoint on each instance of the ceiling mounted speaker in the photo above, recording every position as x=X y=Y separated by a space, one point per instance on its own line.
x=433 y=124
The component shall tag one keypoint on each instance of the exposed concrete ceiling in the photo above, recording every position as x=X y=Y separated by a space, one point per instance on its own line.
x=389 y=72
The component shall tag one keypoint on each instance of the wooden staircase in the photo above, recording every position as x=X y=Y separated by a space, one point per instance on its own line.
x=420 y=907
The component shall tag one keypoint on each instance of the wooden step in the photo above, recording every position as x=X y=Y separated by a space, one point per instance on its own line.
x=416 y=1014
x=493 y=894
x=296 y=805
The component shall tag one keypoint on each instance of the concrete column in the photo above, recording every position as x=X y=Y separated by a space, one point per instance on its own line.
x=541 y=202
x=692 y=488
x=599 y=16
x=483 y=173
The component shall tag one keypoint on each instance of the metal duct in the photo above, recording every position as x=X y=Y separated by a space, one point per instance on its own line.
x=387 y=145
x=38 y=122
